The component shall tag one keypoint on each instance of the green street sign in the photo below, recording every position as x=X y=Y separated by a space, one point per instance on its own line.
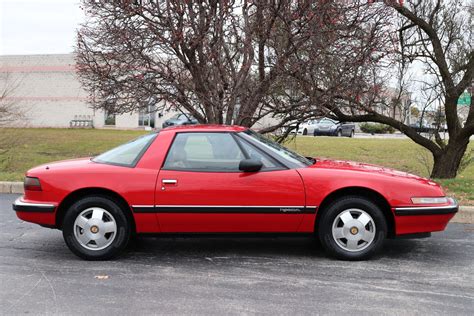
x=464 y=99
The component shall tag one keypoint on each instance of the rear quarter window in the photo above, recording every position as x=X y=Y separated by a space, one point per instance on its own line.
x=128 y=154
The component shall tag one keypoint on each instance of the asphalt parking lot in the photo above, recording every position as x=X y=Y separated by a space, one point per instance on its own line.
x=38 y=275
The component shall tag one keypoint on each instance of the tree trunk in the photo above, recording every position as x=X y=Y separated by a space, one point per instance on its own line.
x=446 y=163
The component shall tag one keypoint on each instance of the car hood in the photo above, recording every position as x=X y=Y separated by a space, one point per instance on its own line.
x=324 y=163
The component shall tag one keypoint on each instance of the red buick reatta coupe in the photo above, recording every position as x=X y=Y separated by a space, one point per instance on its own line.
x=227 y=179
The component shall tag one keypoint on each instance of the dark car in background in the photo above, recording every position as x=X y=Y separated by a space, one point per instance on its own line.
x=329 y=127
x=180 y=119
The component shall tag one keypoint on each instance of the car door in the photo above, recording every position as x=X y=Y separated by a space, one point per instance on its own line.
x=344 y=129
x=200 y=188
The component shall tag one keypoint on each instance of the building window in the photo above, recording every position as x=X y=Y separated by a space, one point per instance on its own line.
x=109 y=118
x=146 y=117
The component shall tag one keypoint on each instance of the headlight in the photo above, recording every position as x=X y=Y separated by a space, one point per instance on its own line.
x=429 y=200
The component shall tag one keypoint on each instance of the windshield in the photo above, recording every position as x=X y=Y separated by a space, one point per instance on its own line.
x=278 y=149
x=127 y=154
x=181 y=116
x=326 y=122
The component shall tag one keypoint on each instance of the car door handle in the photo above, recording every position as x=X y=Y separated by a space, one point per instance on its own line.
x=169 y=181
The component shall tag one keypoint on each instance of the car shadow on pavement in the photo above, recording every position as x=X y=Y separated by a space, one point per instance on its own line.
x=220 y=246
x=247 y=247
x=157 y=248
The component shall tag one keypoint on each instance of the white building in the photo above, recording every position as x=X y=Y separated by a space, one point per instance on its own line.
x=47 y=90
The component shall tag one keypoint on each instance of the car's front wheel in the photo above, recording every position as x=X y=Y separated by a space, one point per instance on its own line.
x=352 y=228
x=305 y=132
x=96 y=228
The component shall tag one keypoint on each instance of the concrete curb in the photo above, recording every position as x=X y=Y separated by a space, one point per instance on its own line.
x=465 y=214
x=11 y=187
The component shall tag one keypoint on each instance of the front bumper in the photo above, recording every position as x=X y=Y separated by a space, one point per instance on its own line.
x=428 y=210
x=423 y=219
x=21 y=206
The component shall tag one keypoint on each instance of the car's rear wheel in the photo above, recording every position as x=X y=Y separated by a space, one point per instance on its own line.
x=352 y=134
x=305 y=132
x=339 y=133
x=352 y=228
x=96 y=228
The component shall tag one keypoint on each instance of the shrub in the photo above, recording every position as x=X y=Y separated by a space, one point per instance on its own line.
x=376 y=128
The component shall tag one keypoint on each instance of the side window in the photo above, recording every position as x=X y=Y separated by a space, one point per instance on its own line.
x=204 y=152
x=254 y=153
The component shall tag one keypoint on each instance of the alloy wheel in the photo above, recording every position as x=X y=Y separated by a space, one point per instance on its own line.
x=95 y=228
x=353 y=230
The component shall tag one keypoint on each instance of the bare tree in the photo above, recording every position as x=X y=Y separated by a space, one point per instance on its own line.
x=432 y=35
x=219 y=60
x=10 y=114
x=336 y=62
x=9 y=110
x=439 y=35
x=222 y=61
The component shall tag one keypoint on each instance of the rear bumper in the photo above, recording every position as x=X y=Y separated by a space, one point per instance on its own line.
x=36 y=212
x=21 y=206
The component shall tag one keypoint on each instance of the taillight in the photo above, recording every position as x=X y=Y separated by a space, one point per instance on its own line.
x=32 y=184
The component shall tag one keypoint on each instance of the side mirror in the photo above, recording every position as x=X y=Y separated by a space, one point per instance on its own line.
x=250 y=165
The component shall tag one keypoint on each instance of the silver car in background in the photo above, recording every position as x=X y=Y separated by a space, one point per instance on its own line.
x=180 y=119
x=327 y=127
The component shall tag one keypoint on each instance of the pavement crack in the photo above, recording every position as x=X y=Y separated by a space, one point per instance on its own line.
x=52 y=289
x=24 y=295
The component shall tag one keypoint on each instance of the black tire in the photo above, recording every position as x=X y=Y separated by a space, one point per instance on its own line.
x=120 y=237
x=352 y=134
x=328 y=217
x=305 y=132
x=339 y=133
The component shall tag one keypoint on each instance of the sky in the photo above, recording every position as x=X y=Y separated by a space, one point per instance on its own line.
x=38 y=26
